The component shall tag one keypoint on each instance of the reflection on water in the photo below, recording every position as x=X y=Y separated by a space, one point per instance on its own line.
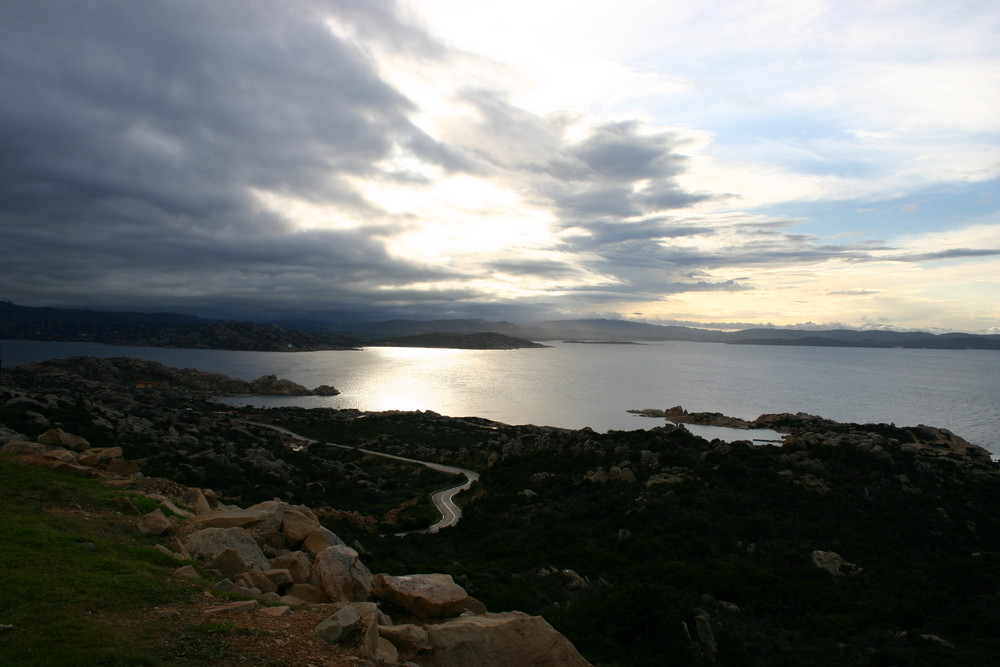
x=573 y=386
x=759 y=435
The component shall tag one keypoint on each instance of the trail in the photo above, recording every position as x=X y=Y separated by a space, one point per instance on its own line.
x=444 y=499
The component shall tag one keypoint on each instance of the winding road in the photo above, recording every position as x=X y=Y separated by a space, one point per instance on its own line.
x=444 y=500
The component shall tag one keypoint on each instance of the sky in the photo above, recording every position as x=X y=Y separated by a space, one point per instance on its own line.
x=722 y=164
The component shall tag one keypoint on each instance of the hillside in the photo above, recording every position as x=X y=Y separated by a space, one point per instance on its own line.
x=159 y=330
x=849 y=544
x=623 y=330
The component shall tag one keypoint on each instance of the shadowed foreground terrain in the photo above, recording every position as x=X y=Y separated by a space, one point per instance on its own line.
x=846 y=545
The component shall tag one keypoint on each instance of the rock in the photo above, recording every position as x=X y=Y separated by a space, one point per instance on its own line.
x=187 y=572
x=424 y=595
x=343 y=576
x=125 y=504
x=209 y=542
x=318 y=540
x=6 y=435
x=296 y=563
x=371 y=642
x=306 y=594
x=279 y=577
x=499 y=640
x=163 y=550
x=122 y=467
x=110 y=452
x=67 y=456
x=274 y=611
x=298 y=523
x=934 y=639
x=340 y=625
x=230 y=563
x=76 y=470
x=706 y=639
x=228 y=586
x=833 y=563
x=259 y=580
x=271 y=384
x=408 y=639
x=195 y=499
x=241 y=518
x=242 y=605
x=56 y=437
x=23 y=447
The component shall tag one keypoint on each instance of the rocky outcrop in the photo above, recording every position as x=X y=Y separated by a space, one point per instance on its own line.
x=497 y=640
x=444 y=627
x=424 y=595
x=833 y=563
x=143 y=375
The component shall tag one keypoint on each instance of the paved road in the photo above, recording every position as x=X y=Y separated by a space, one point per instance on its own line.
x=444 y=500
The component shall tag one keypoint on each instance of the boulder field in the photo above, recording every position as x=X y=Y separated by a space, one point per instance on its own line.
x=279 y=557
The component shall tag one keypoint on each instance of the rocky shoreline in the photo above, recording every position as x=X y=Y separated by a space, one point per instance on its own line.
x=804 y=428
x=845 y=542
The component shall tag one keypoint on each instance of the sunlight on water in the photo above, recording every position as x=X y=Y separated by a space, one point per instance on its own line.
x=572 y=386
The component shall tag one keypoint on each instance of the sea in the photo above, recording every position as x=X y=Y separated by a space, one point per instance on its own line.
x=576 y=385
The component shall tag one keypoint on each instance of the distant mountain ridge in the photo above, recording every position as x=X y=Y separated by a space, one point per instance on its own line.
x=159 y=330
x=624 y=330
x=176 y=330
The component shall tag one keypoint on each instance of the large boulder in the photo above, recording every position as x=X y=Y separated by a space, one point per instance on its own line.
x=228 y=518
x=498 y=640
x=196 y=500
x=342 y=574
x=230 y=563
x=339 y=625
x=23 y=447
x=408 y=639
x=210 y=542
x=154 y=523
x=56 y=437
x=424 y=595
x=298 y=522
x=318 y=540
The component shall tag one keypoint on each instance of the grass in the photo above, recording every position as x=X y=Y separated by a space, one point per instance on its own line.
x=69 y=565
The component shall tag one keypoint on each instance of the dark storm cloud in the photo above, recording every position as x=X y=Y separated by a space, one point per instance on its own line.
x=617 y=170
x=552 y=269
x=604 y=232
x=134 y=136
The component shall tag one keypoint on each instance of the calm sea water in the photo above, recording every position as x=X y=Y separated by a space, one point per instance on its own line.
x=576 y=385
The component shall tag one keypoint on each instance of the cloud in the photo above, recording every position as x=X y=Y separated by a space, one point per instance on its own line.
x=338 y=156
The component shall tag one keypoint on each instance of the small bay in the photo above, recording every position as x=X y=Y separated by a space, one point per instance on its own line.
x=573 y=386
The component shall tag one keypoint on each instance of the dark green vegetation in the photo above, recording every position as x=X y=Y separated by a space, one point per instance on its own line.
x=628 y=542
x=657 y=525
x=70 y=568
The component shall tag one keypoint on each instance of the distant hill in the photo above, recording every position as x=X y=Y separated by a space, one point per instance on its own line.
x=623 y=330
x=158 y=330
x=175 y=330
x=461 y=341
